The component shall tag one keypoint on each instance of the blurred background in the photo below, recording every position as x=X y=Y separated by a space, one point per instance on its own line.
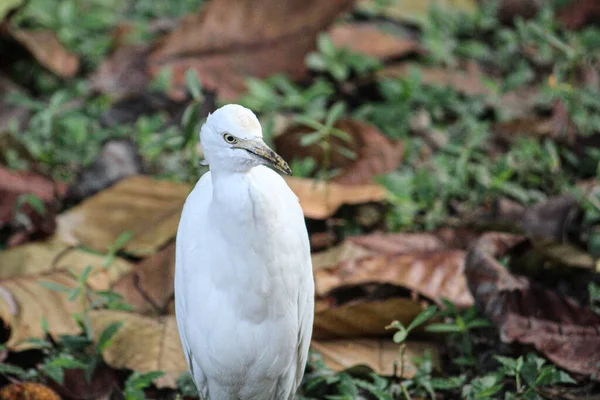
x=445 y=154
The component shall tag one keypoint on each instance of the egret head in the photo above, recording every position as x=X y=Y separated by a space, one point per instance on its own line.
x=232 y=140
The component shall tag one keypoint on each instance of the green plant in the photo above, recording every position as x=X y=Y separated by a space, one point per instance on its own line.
x=401 y=336
x=340 y=63
x=137 y=382
x=460 y=326
x=322 y=135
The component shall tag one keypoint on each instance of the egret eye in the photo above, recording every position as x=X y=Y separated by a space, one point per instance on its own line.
x=229 y=138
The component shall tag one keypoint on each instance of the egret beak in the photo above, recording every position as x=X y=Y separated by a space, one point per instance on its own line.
x=264 y=152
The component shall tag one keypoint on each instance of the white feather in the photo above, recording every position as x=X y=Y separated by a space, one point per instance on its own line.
x=244 y=290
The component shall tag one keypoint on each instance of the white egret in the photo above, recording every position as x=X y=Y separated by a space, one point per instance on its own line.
x=244 y=289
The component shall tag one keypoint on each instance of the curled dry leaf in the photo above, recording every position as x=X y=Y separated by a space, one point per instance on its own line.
x=380 y=355
x=376 y=153
x=28 y=390
x=149 y=286
x=232 y=39
x=371 y=309
x=373 y=278
x=146 y=207
x=24 y=302
x=45 y=47
x=564 y=331
x=368 y=39
x=144 y=344
x=321 y=199
x=436 y=275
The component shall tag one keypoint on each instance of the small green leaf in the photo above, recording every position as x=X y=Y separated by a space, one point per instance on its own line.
x=107 y=334
x=9 y=369
x=56 y=286
x=74 y=294
x=423 y=317
x=400 y=336
x=85 y=274
x=310 y=138
x=193 y=83
x=335 y=113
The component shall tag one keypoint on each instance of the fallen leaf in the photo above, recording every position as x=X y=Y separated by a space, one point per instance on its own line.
x=376 y=153
x=508 y=10
x=378 y=243
x=368 y=39
x=45 y=47
x=362 y=316
x=40 y=258
x=77 y=386
x=146 y=207
x=144 y=344
x=579 y=13
x=320 y=199
x=415 y=11
x=436 y=275
x=28 y=390
x=149 y=286
x=557 y=326
x=24 y=302
x=382 y=356
x=118 y=159
x=232 y=40
x=14 y=185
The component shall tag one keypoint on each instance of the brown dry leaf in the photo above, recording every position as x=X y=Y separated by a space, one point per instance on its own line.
x=146 y=207
x=149 y=286
x=378 y=243
x=29 y=391
x=23 y=301
x=13 y=184
x=234 y=39
x=414 y=11
x=468 y=81
x=380 y=355
x=144 y=344
x=579 y=13
x=436 y=275
x=368 y=39
x=376 y=154
x=363 y=317
x=45 y=47
x=124 y=73
x=564 y=331
x=320 y=199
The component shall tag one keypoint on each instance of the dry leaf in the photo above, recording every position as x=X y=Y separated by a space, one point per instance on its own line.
x=370 y=40
x=29 y=391
x=13 y=184
x=436 y=275
x=46 y=257
x=321 y=199
x=377 y=154
x=24 y=302
x=144 y=344
x=124 y=73
x=380 y=355
x=149 y=286
x=234 y=39
x=579 y=13
x=148 y=208
x=415 y=11
x=564 y=331
x=45 y=47
x=363 y=317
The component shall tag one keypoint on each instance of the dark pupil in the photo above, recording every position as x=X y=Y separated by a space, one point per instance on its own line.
x=229 y=138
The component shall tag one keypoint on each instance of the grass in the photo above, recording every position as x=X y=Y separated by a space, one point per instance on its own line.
x=429 y=190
